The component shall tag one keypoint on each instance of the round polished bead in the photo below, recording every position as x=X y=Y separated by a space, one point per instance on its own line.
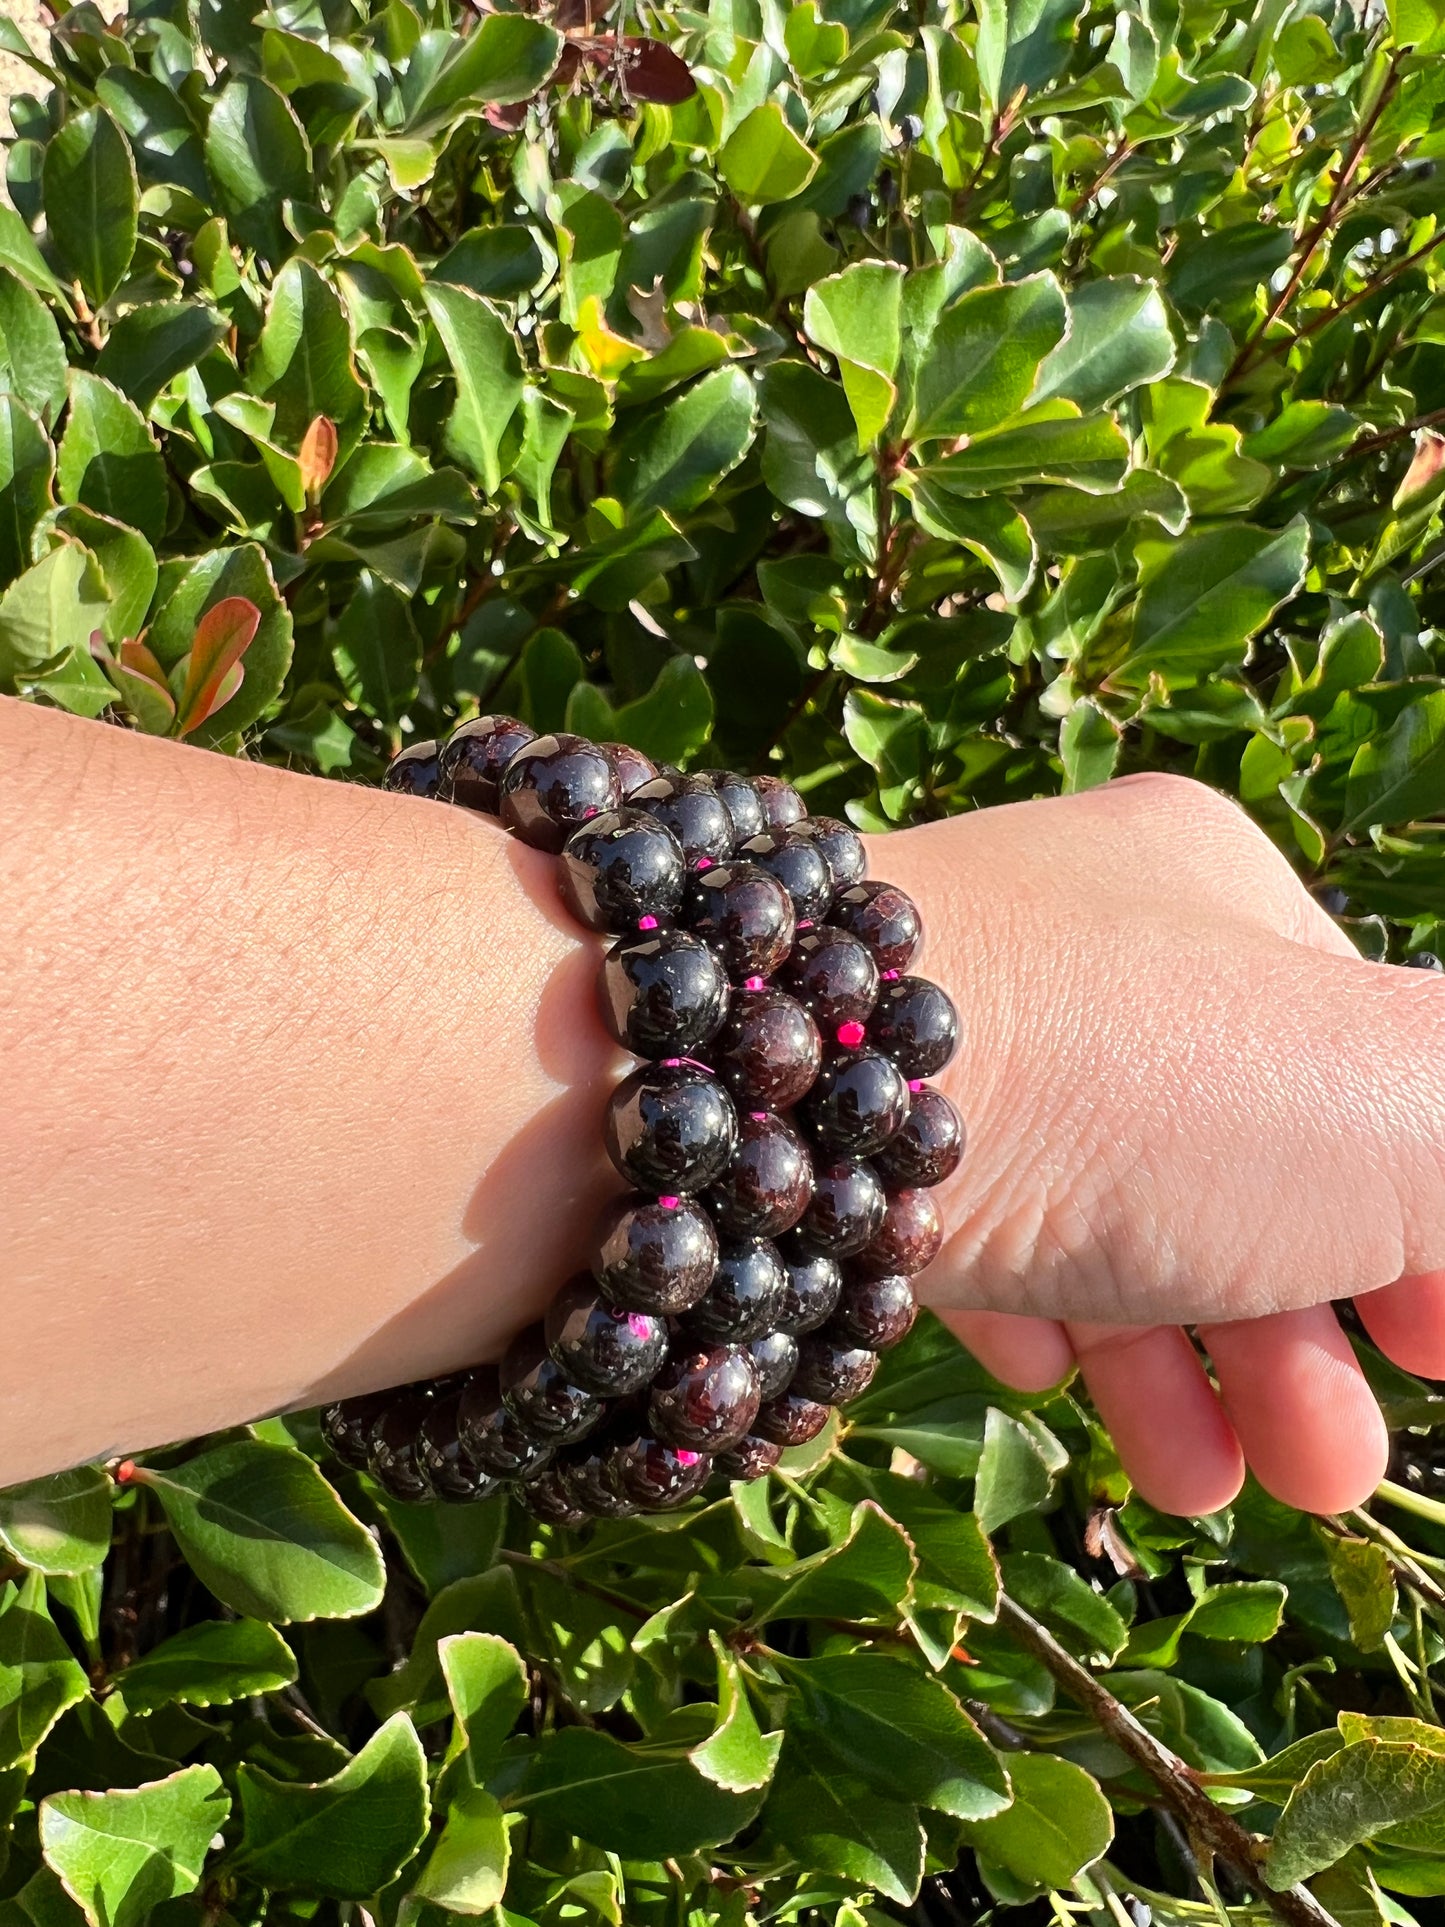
x=473 y=757
x=692 y=809
x=859 y=1100
x=875 y=1312
x=671 y=1128
x=745 y=1296
x=346 y=1427
x=447 y=1466
x=655 y=1255
x=833 y=975
x=414 y=771
x=555 y=785
x=766 y=1187
x=814 y=1282
x=584 y=1472
x=842 y=848
x=494 y=1438
x=547 y=1499
x=654 y=1476
x=775 y=1358
x=663 y=995
x=799 y=866
x=603 y=1350
x=768 y=1050
x=393 y=1461
x=883 y=917
x=746 y=915
x=790 y=1419
x=908 y=1240
x=846 y=1210
x=832 y=1371
x=633 y=768
x=741 y=801
x=781 y=803
x=620 y=867
x=915 y=1023
x=928 y=1147
x=537 y=1391
x=749 y=1459
x=704 y=1398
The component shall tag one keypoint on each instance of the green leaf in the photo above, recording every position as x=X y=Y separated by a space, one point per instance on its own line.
x=60 y=1524
x=1023 y=44
x=984 y=358
x=347 y=1836
x=260 y=1526
x=481 y=1600
x=258 y=158
x=1119 y=338
x=39 y=1678
x=92 y=201
x=51 y=609
x=486 y=1682
x=150 y=345
x=763 y=160
x=673 y=720
x=466 y=1872
x=1080 y=1618
x=1202 y=598
x=955 y=1561
x=109 y=460
x=675 y=458
x=162 y=136
x=736 y=1756
x=857 y=316
x=27 y=469
x=892 y=737
x=1247 y=1610
x=121 y=1854
x=552 y=672
x=1365 y=1581
x=505 y=58
x=1400 y=775
x=1089 y=746
x=213 y=1663
x=32 y=357
x=1016 y=1472
x=302 y=362
x=827 y=1816
x=376 y=649
x=990 y=526
x=1059 y=1823
x=1089 y=452
x=186 y=591
x=644 y=1801
x=489 y=377
x=865 y=1576
x=1367 y=1788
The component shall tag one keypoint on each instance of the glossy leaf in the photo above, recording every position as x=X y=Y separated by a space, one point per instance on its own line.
x=32 y=358
x=214 y=1663
x=676 y=459
x=92 y=201
x=763 y=160
x=1058 y=1823
x=59 y=1525
x=829 y=1817
x=39 y=1678
x=486 y=1683
x=489 y=378
x=109 y=460
x=629 y=1800
x=258 y=159
x=984 y=358
x=27 y=468
x=150 y=345
x=123 y=1853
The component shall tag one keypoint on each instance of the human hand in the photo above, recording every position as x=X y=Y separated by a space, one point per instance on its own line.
x=1189 y=1102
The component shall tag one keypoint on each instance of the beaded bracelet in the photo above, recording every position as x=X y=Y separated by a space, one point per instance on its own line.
x=779 y=1137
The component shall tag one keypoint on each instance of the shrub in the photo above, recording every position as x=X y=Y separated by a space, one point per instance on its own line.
x=952 y=404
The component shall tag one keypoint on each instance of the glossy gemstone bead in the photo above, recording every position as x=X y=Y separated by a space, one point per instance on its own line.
x=846 y=1210
x=833 y=975
x=446 y=1465
x=493 y=1437
x=745 y=1296
x=654 y=1476
x=781 y=803
x=842 y=848
x=346 y=1427
x=884 y=918
x=633 y=768
x=692 y=809
x=620 y=867
x=473 y=757
x=705 y=1398
x=538 y=1392
x=908 y=1240
x=741 y=801
x=832 y=1371
x=664 y=995
x=799 y=866
x=655 y=1255
x=393 y=1460
x=547 y=1499
x=585 y=1475
x=814 y=1282
x=671 y=1128
x=915 y=1023
x=415 y=771
x=603 y=1350
x=790 y=1419
x=859 y=1100
x=746 y=915
x=928 y=1147
x=768 y=1050
x=749 y=1459
x=555 y=785
x=875 y=1312
x=767 y=1185
x=775 y=1358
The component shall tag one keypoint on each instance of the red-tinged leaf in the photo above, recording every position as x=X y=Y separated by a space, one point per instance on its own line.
x=1421 y=475
x=136 y=656
x=317 y=456
x=506 y=119
x=655 y=73
x=223 y=635
x=580 y=16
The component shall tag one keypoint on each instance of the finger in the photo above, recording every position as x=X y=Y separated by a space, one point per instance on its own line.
x=1407 y=1322
x=1030 y=1354
x=1153 y=1394
x=1308 y=1422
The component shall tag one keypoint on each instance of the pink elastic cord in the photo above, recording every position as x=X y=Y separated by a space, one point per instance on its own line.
x=850 y=1036
x=647 y=923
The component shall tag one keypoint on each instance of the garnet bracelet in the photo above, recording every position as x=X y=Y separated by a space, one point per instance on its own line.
x=779 y=1139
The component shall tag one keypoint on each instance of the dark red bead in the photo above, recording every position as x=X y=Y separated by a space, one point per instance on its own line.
x=655 y=1476
x=619 y=868
x=536 y=1390
x=859 y=1100
x=745 y=1296
x=494 y=1437
x=883 y=917
x=692 y=809
x=746 y=915
x=473 y=757
x=749 y=1459
x=585 y=1475
x=655 y=1254
x=741 y=800
x=393 y=1461
x=547 y=1499
x=846 y=1210
x=842 y=848
x=766 y=1187
x=671 y=1128
x=833 y=975
x=415 y=771
x=831 y=1370
x=814 y=1282
x=781 y=803
x=775 y=1359
x=346 y=1427
x=704 y=1399
x=602 y=1349
x=790 y=1419
x=633 y=768
x=928 y=1147
x=663 y=995
x=553 y=786
x=768 y=1050
x=446 y=1465
x=876 y=1312
x=908 y=1240
x=915 y=1023
x=799 y=866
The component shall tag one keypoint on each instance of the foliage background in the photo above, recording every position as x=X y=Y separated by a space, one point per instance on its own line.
x=945 y=402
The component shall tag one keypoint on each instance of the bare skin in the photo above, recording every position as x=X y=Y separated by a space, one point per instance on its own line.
x=304 y=1086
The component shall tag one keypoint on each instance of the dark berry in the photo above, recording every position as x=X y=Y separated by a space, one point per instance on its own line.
x=555 y=785
x=620 y=868
x=842 y=848
x=781 y=803
x=749 y=1459
x=775 y=1359
x=859 y=1100
x=768 y=1050
x=692 y=809
x=656 y=1476
x=633 y=768
x=446 y=1465
x=766 y=1187
x=928 y=1147
x=346 y=1427
x=882 y=917
x=846 y=1210
x=746 y=915
x=663 y=996
x=538 y=1392
x=799 y=866
x=473 y=757
x=914 y=1023
x=393 y=1460
x=833 y=975
x=416 y=771
x=585 y=1476
x=831 y=1370
x=908 y=1240
x=603 y=1350
x=548 y=1499
x=741 y=801
x=704 y=1399
x=655 y=1255
x=745 y=1296
x=814 y=1282
x=493 y=1437
x=790 y=1419
x=671 y=1128
x=875 y=1312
